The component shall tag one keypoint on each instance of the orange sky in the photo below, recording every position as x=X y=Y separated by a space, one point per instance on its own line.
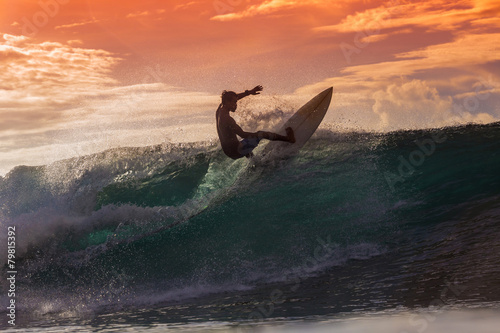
x=81 y=76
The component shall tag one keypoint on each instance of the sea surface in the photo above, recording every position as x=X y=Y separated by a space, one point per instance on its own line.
x=395 y=232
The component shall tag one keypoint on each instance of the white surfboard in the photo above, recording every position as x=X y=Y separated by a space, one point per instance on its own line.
x=304 y=123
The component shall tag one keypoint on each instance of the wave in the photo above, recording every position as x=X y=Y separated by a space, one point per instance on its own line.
x=169 y=220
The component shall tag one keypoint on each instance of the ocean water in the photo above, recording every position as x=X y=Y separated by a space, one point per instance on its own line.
x=396 y=232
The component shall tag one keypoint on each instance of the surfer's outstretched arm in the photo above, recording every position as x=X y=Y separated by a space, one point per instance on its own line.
x=254 y=91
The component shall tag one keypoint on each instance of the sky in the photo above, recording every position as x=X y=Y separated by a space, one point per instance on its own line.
x=81 y=76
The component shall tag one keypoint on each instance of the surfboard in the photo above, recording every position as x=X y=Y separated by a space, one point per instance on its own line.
x=304 y=123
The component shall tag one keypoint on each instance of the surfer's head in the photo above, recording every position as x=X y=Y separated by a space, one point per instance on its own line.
x=229 y=99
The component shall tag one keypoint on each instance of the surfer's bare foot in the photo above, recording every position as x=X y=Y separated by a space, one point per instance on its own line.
x=290 y=134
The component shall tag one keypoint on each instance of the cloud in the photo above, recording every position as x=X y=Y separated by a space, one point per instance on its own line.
x=121 y=116
x=186 y=5
x=145 y=13
x=383 y=105
x=468 y=50
x=487 y=22
x=467 y=53
x=415 y=105
x=39 y=80
x=411 y=105
x=55 y=94
x=11 y=40
x=268 y=7
x=431 y=14
x=76 y=24
x=138 y=14
x=443 y=84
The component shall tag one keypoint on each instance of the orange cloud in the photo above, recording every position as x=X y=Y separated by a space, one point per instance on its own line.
x=443 y=84
x=432 y=14
x=145 y=13
x=271 y=6
x=415 y=105
x=468 y=50
x=39 y=80
x=76 y=24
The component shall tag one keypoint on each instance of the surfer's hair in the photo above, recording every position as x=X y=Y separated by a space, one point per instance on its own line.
x=227 y=96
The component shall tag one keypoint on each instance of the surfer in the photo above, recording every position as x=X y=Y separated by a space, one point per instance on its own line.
x=228 y=129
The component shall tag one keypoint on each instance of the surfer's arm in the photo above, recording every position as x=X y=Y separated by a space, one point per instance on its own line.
x=254 y=91
x=236 y=129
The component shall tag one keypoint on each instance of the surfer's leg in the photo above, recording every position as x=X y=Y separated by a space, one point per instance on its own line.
x=247 y=145
x=290 y=137
x=290 y=134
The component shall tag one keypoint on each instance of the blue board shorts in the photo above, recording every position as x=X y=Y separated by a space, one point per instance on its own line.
x=247 y=145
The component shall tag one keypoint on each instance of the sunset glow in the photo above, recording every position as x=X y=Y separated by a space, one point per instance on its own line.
x=82 y=76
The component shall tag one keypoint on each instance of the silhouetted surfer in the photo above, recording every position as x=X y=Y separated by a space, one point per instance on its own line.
x=228 y=129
